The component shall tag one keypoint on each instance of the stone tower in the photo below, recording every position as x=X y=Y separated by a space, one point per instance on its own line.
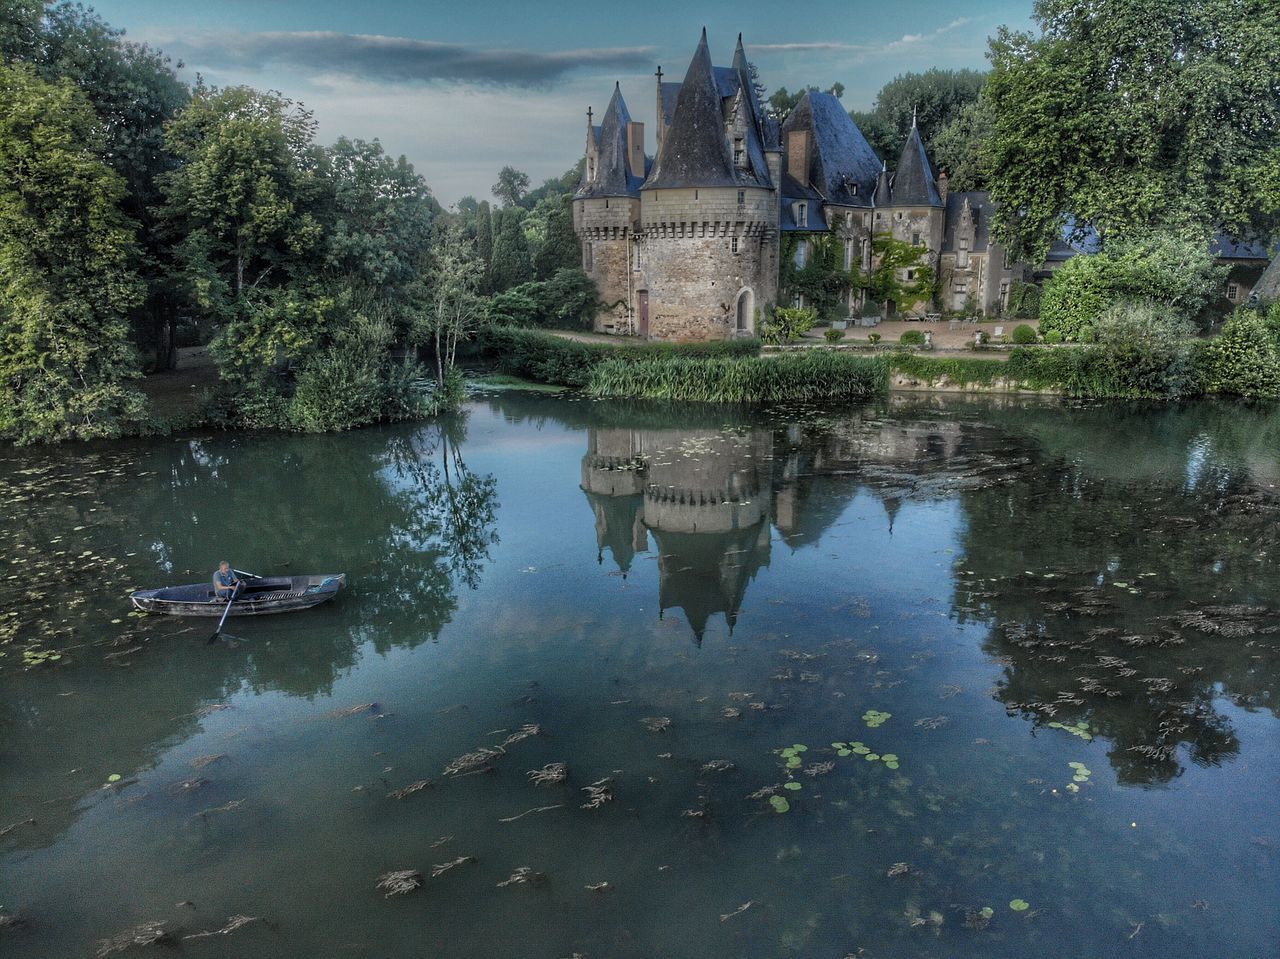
x=606 y=209
x=707 y=240
x=909 y=205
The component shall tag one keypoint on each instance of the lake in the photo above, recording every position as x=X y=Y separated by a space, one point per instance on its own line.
x=925 y=678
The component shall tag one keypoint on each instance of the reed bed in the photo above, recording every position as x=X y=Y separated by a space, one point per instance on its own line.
x=799 y=377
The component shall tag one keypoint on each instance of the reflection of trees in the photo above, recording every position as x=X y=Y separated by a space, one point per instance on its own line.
x=397 y=509
x=1105 y=593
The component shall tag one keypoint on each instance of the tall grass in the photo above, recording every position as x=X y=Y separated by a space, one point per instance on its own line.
x=812 y=375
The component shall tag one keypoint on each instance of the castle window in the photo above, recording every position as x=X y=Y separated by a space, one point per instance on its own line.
x=739 y=154
x=899 y=216
x=734 y=244
x=802 y=214
x=802 y=254
x=848 y=254
x=866 y=219
x=853 y=189
x=848 y=221
x=1233 y=291
x=1008 y=260
x=911 y=274
x=586 y=257
x=915 y=239
x=964 y=243
x=742 y=197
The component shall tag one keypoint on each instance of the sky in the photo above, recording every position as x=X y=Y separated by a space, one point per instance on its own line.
x=463 y=89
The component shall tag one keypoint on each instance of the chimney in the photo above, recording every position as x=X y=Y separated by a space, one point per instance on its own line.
x=798 y=156
x=635 y=148
x=944 y=186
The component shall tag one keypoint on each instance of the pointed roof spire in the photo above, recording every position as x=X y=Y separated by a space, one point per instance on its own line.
x=694 y=151
x=614 y=176
x=913 y=181
x=913 y=118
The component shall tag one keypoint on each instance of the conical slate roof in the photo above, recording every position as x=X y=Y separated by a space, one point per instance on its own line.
x=614 y=176
x=694 y=151
x=913 y=182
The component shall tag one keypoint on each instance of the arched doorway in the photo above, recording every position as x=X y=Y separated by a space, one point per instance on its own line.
x=744 y=318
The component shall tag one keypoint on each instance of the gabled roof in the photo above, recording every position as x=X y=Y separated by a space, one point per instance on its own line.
x=1229 y=248
x=614 y=176
x=695 y=149
x=842 y=165
x=913 y=181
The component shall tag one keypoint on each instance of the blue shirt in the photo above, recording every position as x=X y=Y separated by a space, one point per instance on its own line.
x=224 y=580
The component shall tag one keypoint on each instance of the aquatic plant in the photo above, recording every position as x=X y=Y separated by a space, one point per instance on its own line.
x=410 y=789
x=148 y=933
x=522 y=875
x=874 y=718
x=399 y=882
x=598 y=793
x=1080 y=729
x=439 y=870
x=549 y=774
x=779 y=804
x=233 y=923
x=1019 y=905
x=656 y=724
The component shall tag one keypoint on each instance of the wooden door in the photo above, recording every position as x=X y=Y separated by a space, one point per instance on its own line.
x=642 y=325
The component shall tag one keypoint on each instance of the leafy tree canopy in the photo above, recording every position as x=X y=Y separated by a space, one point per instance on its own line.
x=1136 y=115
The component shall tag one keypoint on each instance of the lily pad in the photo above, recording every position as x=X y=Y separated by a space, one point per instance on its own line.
x=871 y=757
x=793 y=786
x=779 y=803
x=987 y=912
x=113 y=778
x=891 y=765
x=843 y=752
x=1019 y=905
x=794 y=762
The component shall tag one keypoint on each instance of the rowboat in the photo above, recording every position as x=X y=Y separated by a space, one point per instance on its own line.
x=258 y=597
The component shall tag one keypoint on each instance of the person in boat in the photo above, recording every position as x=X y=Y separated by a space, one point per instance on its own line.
x=225 y=581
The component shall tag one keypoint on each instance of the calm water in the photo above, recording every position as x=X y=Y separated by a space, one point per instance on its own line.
x=672 y=598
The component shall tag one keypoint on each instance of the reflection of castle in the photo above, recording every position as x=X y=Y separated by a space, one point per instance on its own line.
x=709 y=497
x=703 y=494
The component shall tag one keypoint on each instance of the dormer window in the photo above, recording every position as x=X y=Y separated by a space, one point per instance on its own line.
x=591 y=169
x=739 y=154
x=802 y=214
x=853 y=189
x=742 y=197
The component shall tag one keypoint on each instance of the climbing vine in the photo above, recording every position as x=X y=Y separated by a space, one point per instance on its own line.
x=822 y=281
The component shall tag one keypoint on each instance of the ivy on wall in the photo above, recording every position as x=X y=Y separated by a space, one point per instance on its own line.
x=822 y=281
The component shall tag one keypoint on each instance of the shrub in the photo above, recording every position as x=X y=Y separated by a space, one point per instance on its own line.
x=1024 y=334
x=1053 y=336
x=805 y=376
x=873 y=338
x=832 y=335
x=1175 y=270
x=1143 y=351
x=912 y=338
x=337 y=390
x=1244 y=360
x=788 y=324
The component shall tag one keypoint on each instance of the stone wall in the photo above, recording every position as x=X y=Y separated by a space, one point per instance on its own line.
x=604 y=225
x=688 y=264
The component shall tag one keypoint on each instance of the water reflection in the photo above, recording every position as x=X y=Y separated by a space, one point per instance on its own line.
x=704 y=497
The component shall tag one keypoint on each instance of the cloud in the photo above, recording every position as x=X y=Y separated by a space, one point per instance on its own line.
x=396 y=59
x=862 y=49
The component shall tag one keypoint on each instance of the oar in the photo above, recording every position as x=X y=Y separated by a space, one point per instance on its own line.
x=234 y=593
x=244 y=572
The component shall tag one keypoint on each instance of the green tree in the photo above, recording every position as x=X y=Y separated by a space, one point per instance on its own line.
x=1168 y=268
x=822 y=281
x=959 y=145
x=511 y=186
x=376 y=213
x=68 y=269
x=931 y=99
x=512 y=264
x=560 y=249
x=1135 y=115
x=888 y=284
x=236 y=207
x=453 y=308
x=484 y=243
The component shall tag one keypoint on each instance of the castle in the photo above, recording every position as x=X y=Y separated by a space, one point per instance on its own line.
x=687 y=246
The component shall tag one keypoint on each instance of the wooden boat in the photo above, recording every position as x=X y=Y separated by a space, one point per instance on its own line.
x=258 y=597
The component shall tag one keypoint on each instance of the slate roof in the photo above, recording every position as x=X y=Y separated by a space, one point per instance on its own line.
x=614 y=176
x=1267 y=289
x=981 y=204
x=695 y=150
x=1068 y=244
x=913 y=181
x=1228 y=248
x=842 y=165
